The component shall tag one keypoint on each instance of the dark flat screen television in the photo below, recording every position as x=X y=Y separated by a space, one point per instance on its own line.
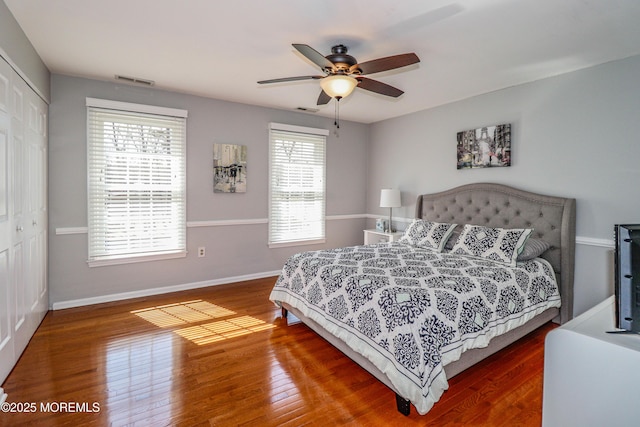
x=627 y=277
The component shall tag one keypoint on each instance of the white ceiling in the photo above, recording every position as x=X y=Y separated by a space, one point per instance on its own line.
x=220 y=49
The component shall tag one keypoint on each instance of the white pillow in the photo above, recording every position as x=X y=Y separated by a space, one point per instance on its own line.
x=427 y=235
x=495 y=244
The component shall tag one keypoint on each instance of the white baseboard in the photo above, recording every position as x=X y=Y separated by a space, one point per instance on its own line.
x=158 y=291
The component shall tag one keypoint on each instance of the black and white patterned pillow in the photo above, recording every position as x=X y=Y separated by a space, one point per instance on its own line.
x=495 y=244
x=427 y=235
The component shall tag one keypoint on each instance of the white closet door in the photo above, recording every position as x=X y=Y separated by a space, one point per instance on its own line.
x=6 y=280
x=35 y=213
x=19 y=271
x=23 y=217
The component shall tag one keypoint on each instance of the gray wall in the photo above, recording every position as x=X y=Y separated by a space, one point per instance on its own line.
x=232 y=251
x=573 y=136
x=18 y=51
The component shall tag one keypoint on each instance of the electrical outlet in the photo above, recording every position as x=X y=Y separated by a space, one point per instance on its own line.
x=201 y=252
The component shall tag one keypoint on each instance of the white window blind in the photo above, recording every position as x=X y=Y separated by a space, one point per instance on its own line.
x=297 y=185
x=136 y=182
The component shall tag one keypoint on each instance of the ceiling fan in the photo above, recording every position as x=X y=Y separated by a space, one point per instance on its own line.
x=343 y=73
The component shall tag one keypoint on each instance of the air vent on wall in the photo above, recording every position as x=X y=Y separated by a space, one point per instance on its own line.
x=135 y=80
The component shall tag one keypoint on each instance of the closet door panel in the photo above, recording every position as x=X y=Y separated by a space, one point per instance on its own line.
x=36 y=213
x=20 y=287
x=7 y=301
x=6 y=334
x=20 y=301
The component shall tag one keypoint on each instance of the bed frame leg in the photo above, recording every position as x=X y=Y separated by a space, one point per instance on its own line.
x=284 y=312
x=404 y=405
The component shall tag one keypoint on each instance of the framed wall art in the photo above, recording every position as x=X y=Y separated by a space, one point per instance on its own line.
x=484 y=147
x=229 y=168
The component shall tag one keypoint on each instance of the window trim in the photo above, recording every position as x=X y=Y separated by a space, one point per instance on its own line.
x=136 y=108
x=126 y=107
x=304 y=130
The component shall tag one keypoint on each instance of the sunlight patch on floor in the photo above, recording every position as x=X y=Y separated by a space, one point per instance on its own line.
x=182 y=313
x=197 y=311
x=221 y=330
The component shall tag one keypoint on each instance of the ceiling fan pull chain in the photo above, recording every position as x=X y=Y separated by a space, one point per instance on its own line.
x=336 y=121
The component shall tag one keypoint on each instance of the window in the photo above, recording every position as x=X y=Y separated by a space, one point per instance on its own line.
x=136 y=161
x=296 y=185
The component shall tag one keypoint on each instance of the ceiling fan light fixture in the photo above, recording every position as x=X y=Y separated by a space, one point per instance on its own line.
x=338 y=86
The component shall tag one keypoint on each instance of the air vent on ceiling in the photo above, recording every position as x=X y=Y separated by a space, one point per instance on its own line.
x=135 y=80
x=308 y=110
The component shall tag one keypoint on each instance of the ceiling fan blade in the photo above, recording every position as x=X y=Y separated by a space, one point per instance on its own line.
x=290 y=79
x=388 y=63
x=314 y=56
x=323 y=98
x=378 y=87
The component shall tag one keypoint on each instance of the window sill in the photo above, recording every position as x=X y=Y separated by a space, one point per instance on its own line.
x=135 y=259
x=296 y=243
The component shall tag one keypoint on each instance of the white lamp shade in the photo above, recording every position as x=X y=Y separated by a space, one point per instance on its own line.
x=390 y=198
x=338 y=86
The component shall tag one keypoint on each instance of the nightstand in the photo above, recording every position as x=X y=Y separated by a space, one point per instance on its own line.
x=377 y=236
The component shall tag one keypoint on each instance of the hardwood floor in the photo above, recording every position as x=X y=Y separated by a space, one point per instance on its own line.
x=224 y=356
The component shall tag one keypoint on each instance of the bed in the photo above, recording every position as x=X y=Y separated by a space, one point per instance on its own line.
x=416 y=312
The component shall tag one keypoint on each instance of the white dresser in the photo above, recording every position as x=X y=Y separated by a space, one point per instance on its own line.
x=591 y=378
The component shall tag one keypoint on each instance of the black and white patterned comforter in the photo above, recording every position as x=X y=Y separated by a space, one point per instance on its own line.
x=411 y=311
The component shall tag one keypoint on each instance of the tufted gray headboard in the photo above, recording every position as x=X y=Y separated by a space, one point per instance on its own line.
x=553 y=219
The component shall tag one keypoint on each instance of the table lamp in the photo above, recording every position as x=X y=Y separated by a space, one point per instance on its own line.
x=390 y=198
